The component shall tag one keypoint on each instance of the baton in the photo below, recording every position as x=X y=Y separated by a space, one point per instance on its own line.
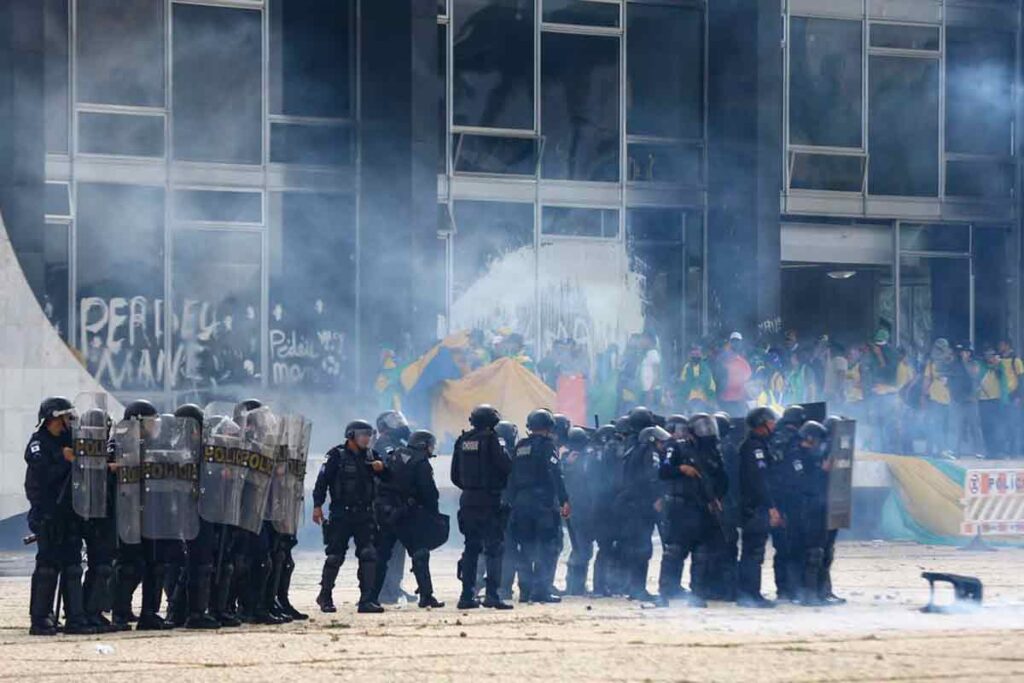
x=30 y=539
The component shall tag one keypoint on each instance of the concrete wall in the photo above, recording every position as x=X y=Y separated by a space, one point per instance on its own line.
x=34 y=363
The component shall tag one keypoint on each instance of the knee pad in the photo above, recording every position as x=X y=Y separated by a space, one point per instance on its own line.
x=335 y=561
x=816 y=555
x=367 y=554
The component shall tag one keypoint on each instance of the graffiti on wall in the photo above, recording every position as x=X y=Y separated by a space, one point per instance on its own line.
x=306 y=351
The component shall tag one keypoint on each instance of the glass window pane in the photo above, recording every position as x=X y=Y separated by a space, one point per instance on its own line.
x=220 y=206
x=55 y=277
x=490 y=154
x=121 y=52
x=581 y=12
x=58 y=200
x=664 y=163
x=904 y=127
x=442 y=99
x=665 y=62
x=905 y=37
x=56 y=79
x=310 y=60
x=824 y=172
x=979 y=91
x=938 y=237
x=217 y=84
x=980 y=179
x=493 y=63
x=314 y=145
x=312 y=292
x=122 y=134
x=573 y=222
x=580 y=106
x=215 y=277
x=121 y=290
x=492 y=236
x=825 y=82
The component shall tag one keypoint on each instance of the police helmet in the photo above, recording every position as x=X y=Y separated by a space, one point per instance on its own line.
x=604 y=434
x=190 y=410
x=577 y=439
x=355 y=427
x=703 y=426
x=817 y=435
x=139 y=409
x=540 y=420
x=724 y=424
x=390 y=420
x=246 y=406
x=794 y=415
x=507 y=431
x=484 y=417
x=831 y=422
x=423 y=440
x=654 y=434
x=759 y=417
x=676 y=424
x=54 y=406
x=640 y=418
x=562 y=426
x=94 y=417
x=622 y=425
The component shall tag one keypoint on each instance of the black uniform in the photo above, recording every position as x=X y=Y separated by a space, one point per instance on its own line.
x=580 y=471
x=480 y=469
x=57 y=529
x=536 y=491
x=689 y=527
x=403 y=502
x=392 y=589
x=728 y=556
x=609 y=565
x=100 y=536
x=807 y=521
x=349 y=478
x=634 y=508
x=756 y=498
x=785 y=449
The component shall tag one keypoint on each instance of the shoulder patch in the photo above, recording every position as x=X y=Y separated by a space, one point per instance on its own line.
x=759 y=454
x=524 y=450
x=471 y=445
x=798 y=465
x=502 y=442
x=554 y=460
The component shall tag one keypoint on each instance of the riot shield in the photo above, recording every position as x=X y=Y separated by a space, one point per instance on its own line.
x=222 y=470
x=260 y=438
x=170 y=478
x=287 y=492
x=840 y=475
x=127 y=449
x=89 y=471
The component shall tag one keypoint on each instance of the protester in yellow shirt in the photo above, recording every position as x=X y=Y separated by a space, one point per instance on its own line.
x=936 y=393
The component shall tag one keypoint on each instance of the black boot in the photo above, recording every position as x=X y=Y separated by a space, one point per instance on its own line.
x=96 y=594
x=152 y=596
x=272 y=588
x=221 y=596
x=282 y=592
x=576 y=580
x=638 y=582
x=199 y=589
x=424 y=582
x=177 y=597
x=809 y=589
x=492 y=584
x=126 y=580
x=75 y=622
x=367 y=574
x=330 y=574
x=43 y=591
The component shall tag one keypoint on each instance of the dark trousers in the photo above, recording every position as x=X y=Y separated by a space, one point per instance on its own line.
x=100 y=536
x=754 y=538
x=58 y=555
x=483 y=527
x=346 y=525
x=582 y=536
x=537 y=531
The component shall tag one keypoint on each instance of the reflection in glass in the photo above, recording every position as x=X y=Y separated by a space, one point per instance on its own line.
x=55 y=75
x=904 y=127
x=442 y=99
x=979 y=91
x=309 y=58
x=217 y=84
x=665 y=66
x=980 y=179
x=492 y=154
x=55 y=277
x=121 y=134
x=580 y=106
x=312 y=292
x=838 y=173
x=825 y=82
x=493 y=63
x=575 y=222
x=313 y=145
x=216 y=284
x=121 y=290
x=904 y=37
x=219 y=206
x=581 y=12
x=120 y=52
x=664 y=163
x=58 y=200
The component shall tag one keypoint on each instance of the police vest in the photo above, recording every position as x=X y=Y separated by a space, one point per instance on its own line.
x=400 y=486
x=476 y=454
x=354 y=484
x=532 y=469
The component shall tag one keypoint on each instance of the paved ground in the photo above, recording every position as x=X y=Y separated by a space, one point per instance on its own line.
x=879 y=636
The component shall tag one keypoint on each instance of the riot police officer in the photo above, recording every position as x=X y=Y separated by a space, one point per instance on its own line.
x=537 y=493
x=695 y=477
x=509 y=434
x=830 y=424
x=406 y=505
x=758 y=511
x=579 y=470
x=350 y=474
x=637 y=504
x=730 y=435
x=392 y=433
x=808 y=515
x=785 y=444
x=606 y=466
x=48 y=458
x=480 y=469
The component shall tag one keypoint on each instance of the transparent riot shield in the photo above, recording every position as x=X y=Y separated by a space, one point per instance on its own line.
x=840 y=475
x=169 y=478
x=222 y=469
x=286 y=500
x=127 y=450
x=260 y=438
x=89 y=471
